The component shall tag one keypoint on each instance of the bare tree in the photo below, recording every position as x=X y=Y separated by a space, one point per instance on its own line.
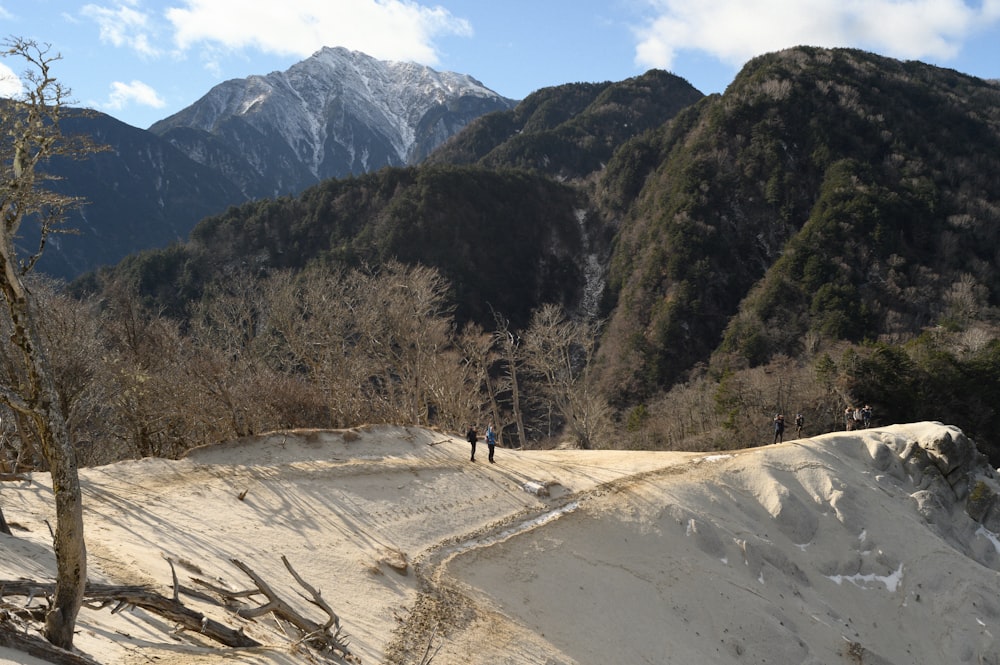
x=318 y=322
x=231 y=348
x=30 y=136
x=416 y=330
x=74 y=341
x=510 y=350
x=561 y=350
x=478 y=354
x=142 y=364
x=379 y=344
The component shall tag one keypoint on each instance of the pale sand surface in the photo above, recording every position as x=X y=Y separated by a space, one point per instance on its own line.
x=812 y=551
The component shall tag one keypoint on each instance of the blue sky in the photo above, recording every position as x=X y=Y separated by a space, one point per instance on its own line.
x=142 y=60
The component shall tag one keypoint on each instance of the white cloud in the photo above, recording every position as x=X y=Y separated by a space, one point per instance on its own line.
x=736 y=30
x=387 y=29
x=123 y=25
x=125 y=94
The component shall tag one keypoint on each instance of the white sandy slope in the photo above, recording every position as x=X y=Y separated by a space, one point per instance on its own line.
x=811 y=552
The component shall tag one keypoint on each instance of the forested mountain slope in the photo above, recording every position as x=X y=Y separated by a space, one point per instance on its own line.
x=571 y=130
x=140 y=192
x=336 y=113
x=506 y=240
x=827 y=194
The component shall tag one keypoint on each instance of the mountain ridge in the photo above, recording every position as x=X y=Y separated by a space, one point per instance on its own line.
x=851 y=142
x=572 y=130
x=543 y=202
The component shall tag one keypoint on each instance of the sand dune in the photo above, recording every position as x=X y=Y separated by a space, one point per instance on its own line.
x=835 y=549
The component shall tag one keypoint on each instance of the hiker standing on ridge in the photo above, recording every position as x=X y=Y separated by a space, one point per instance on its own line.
x=799 y=422
x=472 y=436
x=779 y=428
x=491 y=440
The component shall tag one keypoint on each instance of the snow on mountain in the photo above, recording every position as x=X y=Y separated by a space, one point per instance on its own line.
x=336 y=113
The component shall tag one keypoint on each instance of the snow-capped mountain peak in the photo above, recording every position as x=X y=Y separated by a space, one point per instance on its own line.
x=338 y=112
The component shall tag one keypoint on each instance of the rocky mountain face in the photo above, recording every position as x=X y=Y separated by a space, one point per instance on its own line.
x=336 y=114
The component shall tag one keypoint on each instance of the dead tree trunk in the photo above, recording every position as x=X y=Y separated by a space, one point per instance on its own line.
x=32 y=136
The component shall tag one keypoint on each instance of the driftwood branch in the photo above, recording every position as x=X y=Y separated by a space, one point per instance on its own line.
x=314 y=597
x=101 y=595
x=317 y=634
x=324 y=636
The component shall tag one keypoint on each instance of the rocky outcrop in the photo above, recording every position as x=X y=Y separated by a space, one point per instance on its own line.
x=949 y=476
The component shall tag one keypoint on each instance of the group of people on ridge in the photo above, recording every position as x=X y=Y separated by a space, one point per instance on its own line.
x=857 y=417
x=779 y=426
x=472 y=436
x=854 y=418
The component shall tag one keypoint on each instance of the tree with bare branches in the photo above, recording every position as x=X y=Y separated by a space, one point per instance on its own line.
x=560 y=351
x=509 y=344
x=29 y=136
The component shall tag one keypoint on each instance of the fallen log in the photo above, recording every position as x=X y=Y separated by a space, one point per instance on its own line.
x=97 y=596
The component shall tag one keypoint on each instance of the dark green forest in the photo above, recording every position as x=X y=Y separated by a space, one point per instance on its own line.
x=628 y=265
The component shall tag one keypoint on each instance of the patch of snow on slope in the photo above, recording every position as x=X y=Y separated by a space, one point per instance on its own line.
x=890 y=581
x=989 y=535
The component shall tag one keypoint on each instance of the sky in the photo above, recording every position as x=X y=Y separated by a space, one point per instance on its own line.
x=143 y=60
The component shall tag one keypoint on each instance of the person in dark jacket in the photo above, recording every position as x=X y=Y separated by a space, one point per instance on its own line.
x=779 y=428
x=472 y=436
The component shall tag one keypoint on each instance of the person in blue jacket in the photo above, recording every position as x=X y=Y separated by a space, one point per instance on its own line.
x=491 y=440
